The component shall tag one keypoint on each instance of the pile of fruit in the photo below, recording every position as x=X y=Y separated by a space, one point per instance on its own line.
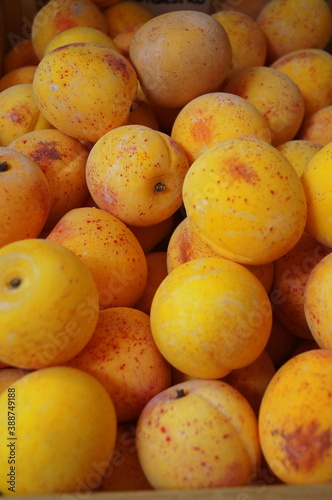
x=165 y=248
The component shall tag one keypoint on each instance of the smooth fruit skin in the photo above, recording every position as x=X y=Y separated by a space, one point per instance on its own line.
x=22 y=185
x=171 y=73
x=295 y=425
x=106 y=79
x=246 y=200
x=317 y=188
x=317 y=302
x=66 y=421
x=298 y=152
x=210 y=316
x=198 y=434
x=54 y=291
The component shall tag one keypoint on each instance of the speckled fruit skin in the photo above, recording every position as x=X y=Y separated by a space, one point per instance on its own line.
x=136 y=173
x=298 y=152
x=184 y=245
x=291 y=272
x=290 y=25
x=170 y=71
x=246 y=200
x=54 y=291
x=123 y=356
x=107 y=80
x=210 y=316
x=275 y=95
x=247 y=40
x=62 y=160
x=215 y=117
x=59 y=15
x=311 y=70
x=317 y=188
x=22 y=185
x=198 y=434
x=80 y=34
x=317 y=302
x=65 y=419
x=110 y=250
x=19 y=113
x=295 y=419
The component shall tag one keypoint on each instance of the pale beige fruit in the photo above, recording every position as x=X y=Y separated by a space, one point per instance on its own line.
x=170 y=71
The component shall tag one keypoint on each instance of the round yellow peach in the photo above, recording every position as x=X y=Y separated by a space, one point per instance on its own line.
x=198 y=434
x=298 y=152
x=246 y=211
x=311 y=70
x=17 y=76
x=110 y=250
x=295 y=419
x=65 y=419
x=210 y=316
x=215 y=117
x=59 y=15
x=292 y=25
x=317 y=305
x=54 y=291
x=170 y=71
x=247 y=40
x=136 y=173
x=316 y=183
x=275 y=95
x=124 y=15
x=105 y=78
x=85 y=34
x=19 y=113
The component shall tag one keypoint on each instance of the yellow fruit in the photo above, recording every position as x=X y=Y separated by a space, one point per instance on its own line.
x=245 y=200
x=295 y=419
x=65 y=419
x=54 y=291
x=298 y=152
x=85 y=34
x=210 y=316
x=105 y=78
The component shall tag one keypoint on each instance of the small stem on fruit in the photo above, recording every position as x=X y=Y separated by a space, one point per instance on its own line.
x=160 y=186
x=15 y=283
x=180 y=393
x=3 y=166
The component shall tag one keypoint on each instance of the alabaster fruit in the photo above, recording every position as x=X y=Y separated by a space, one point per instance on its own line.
x=210 y=316
x=317 y=306
x=102 y=75
x=198 y=434
x=170 y=72
x=22 y=185
x=215 y=117
x=246 y=211
x=109 y=249
x=316 y=184
x=136 y=173
x=65 y=419
x=295 y=419
x=48 y=302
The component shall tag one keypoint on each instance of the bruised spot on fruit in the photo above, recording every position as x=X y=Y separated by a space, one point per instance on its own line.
x=241 y=171
x=46 y=150
x=118 y=64
x=19 y=115
x=3 y=166
x=63 y=22
x=201 y=130
x=306 y=446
